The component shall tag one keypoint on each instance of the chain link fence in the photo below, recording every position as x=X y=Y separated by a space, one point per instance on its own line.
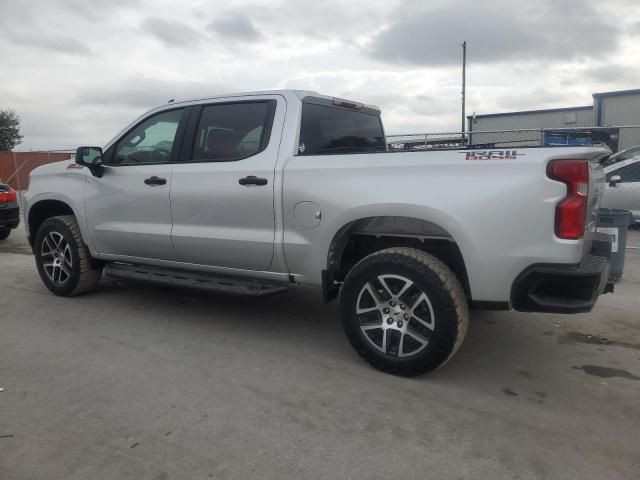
x=472 y=140
x=616 y=138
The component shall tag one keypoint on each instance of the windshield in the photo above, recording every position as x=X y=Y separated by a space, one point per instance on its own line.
x=621 y=156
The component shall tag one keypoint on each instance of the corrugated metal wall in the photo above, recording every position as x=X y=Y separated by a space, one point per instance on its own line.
x=622 y=110
x=555 y=119
x=629 y=137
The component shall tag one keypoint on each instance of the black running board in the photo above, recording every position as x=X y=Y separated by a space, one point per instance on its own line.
x=193 y=280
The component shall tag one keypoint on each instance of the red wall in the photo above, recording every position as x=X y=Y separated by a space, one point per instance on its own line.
x=25 y=162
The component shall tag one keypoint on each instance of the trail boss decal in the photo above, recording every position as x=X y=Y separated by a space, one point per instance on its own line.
x=492 y=155
x=74 y=165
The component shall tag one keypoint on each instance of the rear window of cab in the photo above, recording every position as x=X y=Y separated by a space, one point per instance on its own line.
x=326 y=130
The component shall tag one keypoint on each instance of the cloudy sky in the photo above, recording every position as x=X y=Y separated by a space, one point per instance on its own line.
x=77 y=71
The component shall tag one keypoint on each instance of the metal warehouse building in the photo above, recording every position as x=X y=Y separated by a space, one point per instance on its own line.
x=614 y=118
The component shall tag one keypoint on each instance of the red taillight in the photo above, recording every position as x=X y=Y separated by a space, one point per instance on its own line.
x=571 y=212
x=8 y=196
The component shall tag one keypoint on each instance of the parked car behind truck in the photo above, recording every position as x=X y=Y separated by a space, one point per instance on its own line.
x=9 y=210
x=254 y=193
x=623 y=186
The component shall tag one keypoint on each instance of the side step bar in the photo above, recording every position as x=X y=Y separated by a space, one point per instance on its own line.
x=193 y=280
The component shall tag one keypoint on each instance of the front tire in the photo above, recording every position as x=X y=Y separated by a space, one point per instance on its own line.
x=404 y=311
x=4 y=233
x=63 y=260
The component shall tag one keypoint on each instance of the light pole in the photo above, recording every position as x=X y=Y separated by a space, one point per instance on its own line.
x=464 y=81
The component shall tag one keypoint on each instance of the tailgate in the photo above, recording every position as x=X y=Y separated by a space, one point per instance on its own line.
x=596 y=191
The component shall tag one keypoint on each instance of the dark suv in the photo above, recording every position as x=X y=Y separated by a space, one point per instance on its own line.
x=9 y=210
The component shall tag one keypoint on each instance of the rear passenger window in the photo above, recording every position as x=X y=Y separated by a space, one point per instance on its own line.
x=328 y=130
x=232 y=131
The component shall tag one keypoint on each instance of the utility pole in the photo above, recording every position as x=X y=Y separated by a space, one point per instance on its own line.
x=464 y=87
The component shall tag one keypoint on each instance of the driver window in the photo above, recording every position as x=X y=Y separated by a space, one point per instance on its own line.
x=149 y=142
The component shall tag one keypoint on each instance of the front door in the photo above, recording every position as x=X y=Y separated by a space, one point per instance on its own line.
x=222 y=192
x=128 y=209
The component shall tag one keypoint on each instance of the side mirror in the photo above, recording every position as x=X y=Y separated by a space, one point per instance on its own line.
x=90 y=157
x=614 y=180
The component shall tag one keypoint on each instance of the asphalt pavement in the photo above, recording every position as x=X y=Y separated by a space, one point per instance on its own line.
x=138 y=382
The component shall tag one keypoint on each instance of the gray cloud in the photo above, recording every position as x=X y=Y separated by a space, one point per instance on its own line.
x=46 y=24
x=50 y=10
x=98 y=11
x=21 y=29
x=605 y=73
x=51 y=42
x=172 y=33
x=497 y=32
x=634 y=28
x=145 y=93
x=613 y=73
x=535 y=98
x=235 y=26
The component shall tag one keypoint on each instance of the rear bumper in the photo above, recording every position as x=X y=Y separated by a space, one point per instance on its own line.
x=560 y=288
x=9 y=216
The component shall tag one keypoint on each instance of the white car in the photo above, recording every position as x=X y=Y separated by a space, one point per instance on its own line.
x=623 y=186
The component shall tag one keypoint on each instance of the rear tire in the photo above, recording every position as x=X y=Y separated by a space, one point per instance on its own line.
x=404 y=311
x=63 y=260
x=4 y=233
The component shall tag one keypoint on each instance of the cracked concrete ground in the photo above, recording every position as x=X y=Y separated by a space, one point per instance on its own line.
x=137 y=382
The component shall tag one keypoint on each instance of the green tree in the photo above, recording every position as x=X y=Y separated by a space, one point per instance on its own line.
x=9 y=130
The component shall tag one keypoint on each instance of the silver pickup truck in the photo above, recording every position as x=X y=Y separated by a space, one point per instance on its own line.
x=253 y=193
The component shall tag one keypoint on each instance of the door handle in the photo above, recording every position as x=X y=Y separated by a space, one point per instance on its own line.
x=155 y=181
x=252 y=180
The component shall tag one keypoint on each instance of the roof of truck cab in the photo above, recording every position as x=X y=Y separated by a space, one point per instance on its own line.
x=300 y=94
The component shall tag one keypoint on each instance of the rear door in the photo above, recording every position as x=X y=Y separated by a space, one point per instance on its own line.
x=222 y=192
x=128 y=209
